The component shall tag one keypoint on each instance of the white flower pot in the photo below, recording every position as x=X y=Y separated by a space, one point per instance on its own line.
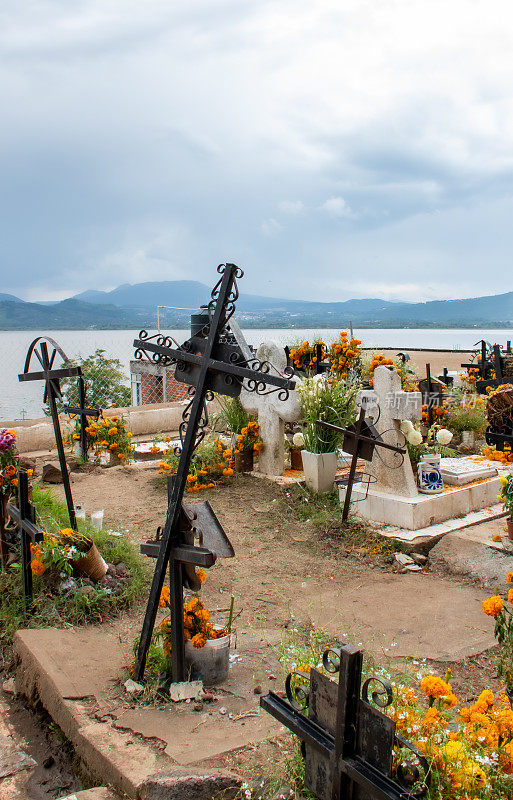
x=320 y=470
x=429 y=475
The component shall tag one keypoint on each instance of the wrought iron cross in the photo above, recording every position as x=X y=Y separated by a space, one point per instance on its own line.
x=82 y=411
x=209 y=362
x=24 y=517
x=348 y=744
x=53 y=393
x=360 y=439
x=432 y=393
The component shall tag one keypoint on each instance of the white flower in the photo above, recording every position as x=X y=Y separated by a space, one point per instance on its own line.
x=414 y=437
x=298 y=440
x=407 y=426
x=443 y=437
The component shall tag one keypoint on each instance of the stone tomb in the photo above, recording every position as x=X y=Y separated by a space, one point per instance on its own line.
x=394 y=499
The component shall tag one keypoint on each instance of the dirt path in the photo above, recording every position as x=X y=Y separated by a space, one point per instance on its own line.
x=287 y=569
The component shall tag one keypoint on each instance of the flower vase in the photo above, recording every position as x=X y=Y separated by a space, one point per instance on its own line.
x=243 y=460
x=296 y=459
x=429 y=476
x=320 y=470
x=212 y=661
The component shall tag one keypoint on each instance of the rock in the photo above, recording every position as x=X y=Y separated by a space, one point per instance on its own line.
x=257 y=690
x=132 y=687
x=181 y=785
x=419 y=558
x=122 y=570
x=111 y=570
x=52 y=473
x=222 y=711
x=403 y=559
x=207 y=697
x=198 y=706
x=185 y=690
x=9 y=687
x=48 y=762
x=461 y=556
x=465 y=449
x=412 y=568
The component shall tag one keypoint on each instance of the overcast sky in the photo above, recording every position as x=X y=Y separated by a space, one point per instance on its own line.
x=332 y=148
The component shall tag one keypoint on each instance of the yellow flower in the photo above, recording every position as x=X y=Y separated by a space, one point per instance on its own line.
x=435 y=687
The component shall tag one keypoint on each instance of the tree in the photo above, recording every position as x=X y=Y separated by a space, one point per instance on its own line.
x=105 y=381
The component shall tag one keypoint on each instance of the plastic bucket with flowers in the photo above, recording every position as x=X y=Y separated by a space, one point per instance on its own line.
x=248 y=443
x=211 y=662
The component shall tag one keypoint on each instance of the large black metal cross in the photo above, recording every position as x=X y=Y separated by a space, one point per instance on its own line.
x=486 y=365
x=24 y=517
x=208 y=362
x=348 y=744
x=53 y=393
x=360 y=439
x=82 y=411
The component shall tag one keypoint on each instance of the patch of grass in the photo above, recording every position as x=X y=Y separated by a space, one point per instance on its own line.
x=324 y=512
x=51 y=608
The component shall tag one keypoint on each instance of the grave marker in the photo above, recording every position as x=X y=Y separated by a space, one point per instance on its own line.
x=208 y=361
x=394 y=407
x=51 y=377
x=272 y=413
x=348 y=744
x=24 y=517
x=82 y=411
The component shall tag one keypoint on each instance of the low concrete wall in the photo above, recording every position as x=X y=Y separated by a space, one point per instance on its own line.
x=37 y=434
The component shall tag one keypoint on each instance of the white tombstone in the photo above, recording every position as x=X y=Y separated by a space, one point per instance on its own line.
x=395 y=406
x=272 y=413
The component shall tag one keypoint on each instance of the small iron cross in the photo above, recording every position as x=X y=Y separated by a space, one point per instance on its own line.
x=53 y=393
x=348 y=744
x=432 y=393
x=360 y=439
x=82 y=411
x=24 y=517
x=196 y=520
x=209 y=362
x=485 y=366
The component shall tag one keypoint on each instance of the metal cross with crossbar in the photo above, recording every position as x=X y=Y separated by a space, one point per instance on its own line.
x=209 y=362
x=52 y=393
x=24 y=517
x=360 y=439
x=348 y=744
x=82 y=411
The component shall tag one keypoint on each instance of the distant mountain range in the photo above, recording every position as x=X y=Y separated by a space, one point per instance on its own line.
x=135 y=306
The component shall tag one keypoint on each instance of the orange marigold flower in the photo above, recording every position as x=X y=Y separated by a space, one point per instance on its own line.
x=435 y=687
x=192 y=478
x=199 y=640
x=164 y=597
x=510 y=596
x=112 y=431
x=9 y=471
x=37 y=566
x=509 y=577
x=493 y=606
x=201 y=575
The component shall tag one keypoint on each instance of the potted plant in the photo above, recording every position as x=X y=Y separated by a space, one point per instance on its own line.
x=248 y=443
x=68 y=550
x=330 y=401
x=506 y=496
x=467 y=420
x=295 y=451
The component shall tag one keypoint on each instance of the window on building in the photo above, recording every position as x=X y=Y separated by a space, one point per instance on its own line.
x=136 y=390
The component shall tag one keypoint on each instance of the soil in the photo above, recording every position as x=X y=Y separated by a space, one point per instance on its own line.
x=289 y=571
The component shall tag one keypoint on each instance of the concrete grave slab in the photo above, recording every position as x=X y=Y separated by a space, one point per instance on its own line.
x=461 y=471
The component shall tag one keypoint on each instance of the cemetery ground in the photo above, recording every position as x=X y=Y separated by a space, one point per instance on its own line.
x=298 y=572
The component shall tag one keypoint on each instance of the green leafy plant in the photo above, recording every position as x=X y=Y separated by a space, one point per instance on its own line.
x=233 y=416
x=506 y=494
x=330 y=401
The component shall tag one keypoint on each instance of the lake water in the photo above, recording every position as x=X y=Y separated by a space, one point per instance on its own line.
x=24 y=400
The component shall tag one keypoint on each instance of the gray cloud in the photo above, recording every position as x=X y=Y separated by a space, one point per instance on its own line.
x=334 y=151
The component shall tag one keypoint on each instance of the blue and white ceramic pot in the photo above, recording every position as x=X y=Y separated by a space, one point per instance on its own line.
x=429 y=475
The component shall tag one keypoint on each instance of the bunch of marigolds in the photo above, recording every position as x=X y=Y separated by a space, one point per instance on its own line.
x=9 y=463
x=249 y=438
x=198 y=628
x=106 y=435
x=212 y=463
x=344 y=355
x=60 y=550
x=305 y=356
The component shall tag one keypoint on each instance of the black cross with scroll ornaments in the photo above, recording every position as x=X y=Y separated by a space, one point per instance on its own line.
x=209 y=362
x=24 y=517
x=347 y=743
x=83 y=411
x=360 y=439
x=51 y=377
